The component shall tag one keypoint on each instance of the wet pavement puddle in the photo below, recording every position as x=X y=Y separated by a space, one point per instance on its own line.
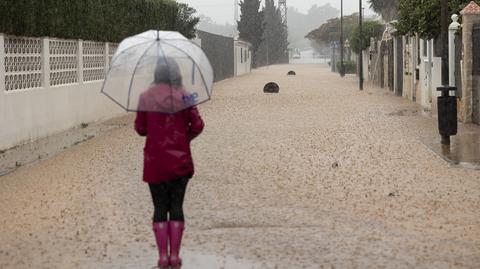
x=191 y=260
x=464 y=150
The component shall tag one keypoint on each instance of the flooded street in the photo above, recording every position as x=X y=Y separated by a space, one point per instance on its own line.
x=320 y=175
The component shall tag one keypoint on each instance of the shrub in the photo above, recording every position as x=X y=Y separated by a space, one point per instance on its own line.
x=350 y=67
x=100 y=20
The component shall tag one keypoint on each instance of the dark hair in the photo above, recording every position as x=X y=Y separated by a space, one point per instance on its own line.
x=168 y=72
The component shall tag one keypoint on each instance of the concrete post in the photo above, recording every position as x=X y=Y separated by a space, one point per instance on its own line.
x=452 y=30
x=80 y=62
x=395 y=65
x=46 y=62
x=106 y=56
x=414 y=51
x=2 y=64
x=470 y=18
x=430 y=71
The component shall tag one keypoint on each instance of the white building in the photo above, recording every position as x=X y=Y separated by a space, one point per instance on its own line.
x=243 y=57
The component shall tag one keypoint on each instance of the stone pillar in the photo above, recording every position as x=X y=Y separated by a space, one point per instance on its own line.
x=80 y=62
x=470 y=18
x=452 y=30
x=106 y=56
x=46 y=62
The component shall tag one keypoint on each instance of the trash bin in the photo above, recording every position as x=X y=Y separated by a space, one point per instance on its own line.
x=447 y=114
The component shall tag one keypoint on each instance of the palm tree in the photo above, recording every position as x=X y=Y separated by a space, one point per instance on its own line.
x=386 y=8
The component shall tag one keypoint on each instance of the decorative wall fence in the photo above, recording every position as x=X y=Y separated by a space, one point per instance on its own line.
x=33 y=63
x=49 y=85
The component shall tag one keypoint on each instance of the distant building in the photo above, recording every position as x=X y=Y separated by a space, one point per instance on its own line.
x=243 y=57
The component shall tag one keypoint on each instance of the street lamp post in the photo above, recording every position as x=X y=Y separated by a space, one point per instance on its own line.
x=342 y=67
x=360 y=55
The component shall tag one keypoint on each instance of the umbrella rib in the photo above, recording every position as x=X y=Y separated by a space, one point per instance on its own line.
x=124 y=51
x=201 y=74
x=133 y=74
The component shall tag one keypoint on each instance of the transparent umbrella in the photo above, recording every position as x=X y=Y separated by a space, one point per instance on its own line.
x=158 y=71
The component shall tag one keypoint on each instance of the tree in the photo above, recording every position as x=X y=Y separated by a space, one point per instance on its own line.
x=370 y=29
x=274 y=46
x=386 y=8
x=250 y=25
x=100 y=20
x=185 y=22
x=330 y=31
x=423 y=17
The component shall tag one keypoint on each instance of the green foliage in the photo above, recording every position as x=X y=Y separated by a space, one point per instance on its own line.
x=330 y=31
x=350 y=67
x=423 y=17
x=185 y=22
x=386 y=8
x=250 y=25
x=100 y=20
x=274 y=46
x=369 y=29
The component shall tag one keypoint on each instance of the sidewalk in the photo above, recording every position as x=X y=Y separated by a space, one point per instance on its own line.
x=319 y=176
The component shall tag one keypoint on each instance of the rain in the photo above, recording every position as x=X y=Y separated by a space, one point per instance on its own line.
x=242 y=134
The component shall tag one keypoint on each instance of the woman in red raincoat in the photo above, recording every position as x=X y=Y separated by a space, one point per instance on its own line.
x=168 y=163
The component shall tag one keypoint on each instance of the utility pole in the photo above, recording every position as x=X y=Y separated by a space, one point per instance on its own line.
x=282 y=4
x=237 y=18
x=360 y=56
x=342 y=67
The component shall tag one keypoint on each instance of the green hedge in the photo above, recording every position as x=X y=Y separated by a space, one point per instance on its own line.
x=101 y=20
x=350 y=67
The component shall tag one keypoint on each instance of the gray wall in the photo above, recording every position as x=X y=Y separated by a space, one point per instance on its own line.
x=219 y=50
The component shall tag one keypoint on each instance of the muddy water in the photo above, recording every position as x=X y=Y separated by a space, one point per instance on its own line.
x=318 y=176
x=191 y=260
x=464 y=150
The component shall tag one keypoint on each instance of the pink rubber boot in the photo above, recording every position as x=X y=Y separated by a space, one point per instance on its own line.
x=160 y=229
x=175 y=229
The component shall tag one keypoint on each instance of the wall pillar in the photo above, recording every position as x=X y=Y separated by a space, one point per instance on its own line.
x=80 y=62
x=470 y=18
x=45 y=62
x=452 y=30
x=106 y=58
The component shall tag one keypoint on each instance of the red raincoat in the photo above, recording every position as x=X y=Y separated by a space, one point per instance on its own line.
x=167 y=154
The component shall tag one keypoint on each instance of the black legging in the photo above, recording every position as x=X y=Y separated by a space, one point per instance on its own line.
x=168 y=199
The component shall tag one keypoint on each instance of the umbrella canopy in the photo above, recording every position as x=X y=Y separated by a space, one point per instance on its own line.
x=158 y=71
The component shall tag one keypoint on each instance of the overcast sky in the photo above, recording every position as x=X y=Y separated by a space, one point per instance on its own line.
x=222 y=11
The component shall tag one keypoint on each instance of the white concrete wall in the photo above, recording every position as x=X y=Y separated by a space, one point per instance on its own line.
x=29 y=113
x=32 y=114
